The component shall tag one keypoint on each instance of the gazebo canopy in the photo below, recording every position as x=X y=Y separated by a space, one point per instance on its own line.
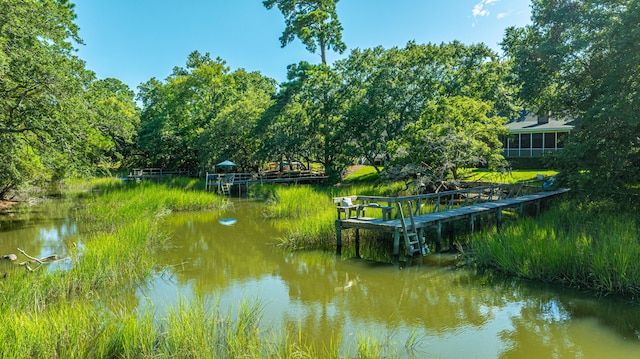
x=226 y=163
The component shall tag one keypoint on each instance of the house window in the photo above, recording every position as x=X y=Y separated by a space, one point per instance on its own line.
x=536 y=140
x=550 y=140
x=525 y=141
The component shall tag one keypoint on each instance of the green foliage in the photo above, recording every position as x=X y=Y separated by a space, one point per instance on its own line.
x=392 y=89
x=589 y=244
x=314 y=22
x=305 y=122
x=580 y=58
x=452 y=134
x=55 y=120
x=202 y=115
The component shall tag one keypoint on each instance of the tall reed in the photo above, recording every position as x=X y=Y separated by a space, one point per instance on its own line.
x=593 y=245
x=310 y=213
x=74 y=313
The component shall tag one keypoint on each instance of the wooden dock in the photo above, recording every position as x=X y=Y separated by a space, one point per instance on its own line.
x=409 y=216
x=222 y=182
x=155 y=173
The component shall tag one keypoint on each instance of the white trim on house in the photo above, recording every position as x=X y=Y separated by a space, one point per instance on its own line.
x=532 y=136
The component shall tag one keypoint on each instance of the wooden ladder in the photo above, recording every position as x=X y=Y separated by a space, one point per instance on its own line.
x=413 y=242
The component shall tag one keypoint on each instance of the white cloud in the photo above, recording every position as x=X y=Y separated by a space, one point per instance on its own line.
x=502 y=15
x=479 y=8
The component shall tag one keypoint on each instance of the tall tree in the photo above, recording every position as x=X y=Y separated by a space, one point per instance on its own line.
x=314 y=22
x=310 y=108
x=201 y=115
x=581 y=58
x=44 y=127
x=391 y=89
x=175 y=112
x=115 y=115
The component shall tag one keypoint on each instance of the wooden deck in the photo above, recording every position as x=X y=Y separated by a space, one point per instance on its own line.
x=432 y=211
x=218 y=182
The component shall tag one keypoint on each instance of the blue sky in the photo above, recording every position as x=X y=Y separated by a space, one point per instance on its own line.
x=135 y=40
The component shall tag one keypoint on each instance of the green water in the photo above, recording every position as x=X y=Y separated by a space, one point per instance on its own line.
x=451 y=313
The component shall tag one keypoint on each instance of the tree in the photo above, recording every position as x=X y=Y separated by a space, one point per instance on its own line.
x=44 y=127
x=580 y=58
x=230 y=134
x=391 y=89
x=116 y=117
x=314 y=22
x=175 y=112
x=306 y=119
x=201 y=115
x=452 y=133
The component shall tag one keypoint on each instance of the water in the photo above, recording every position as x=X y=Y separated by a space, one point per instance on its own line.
x=451 y=313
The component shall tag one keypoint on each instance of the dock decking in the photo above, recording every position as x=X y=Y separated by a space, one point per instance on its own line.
x=432 y=211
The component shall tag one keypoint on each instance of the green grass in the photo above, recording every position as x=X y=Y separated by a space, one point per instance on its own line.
x=307 y=214
x=75 y=313
x=580 y=243
x=483 y=175
x=366 y=174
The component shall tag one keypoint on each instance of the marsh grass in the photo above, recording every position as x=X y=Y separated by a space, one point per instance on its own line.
x=586 y=244
x=307 y=214
x=74 y=313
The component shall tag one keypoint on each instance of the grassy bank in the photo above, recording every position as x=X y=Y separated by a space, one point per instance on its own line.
x=82 y=312
x=583 y=243
x=308 y=213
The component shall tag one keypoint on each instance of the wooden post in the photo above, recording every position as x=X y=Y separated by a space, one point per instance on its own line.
x=499 y=219
x=396 y=245
x=423 y=245
x=438 y=237
x=537 y=208
x=338 y=238
x=357 y=243
x=472 y=224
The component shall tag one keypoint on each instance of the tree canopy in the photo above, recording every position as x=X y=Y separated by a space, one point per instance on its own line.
x=314 y=22
x=51 y=110
x=580 y=59
x=428 y=109
x=201 y=115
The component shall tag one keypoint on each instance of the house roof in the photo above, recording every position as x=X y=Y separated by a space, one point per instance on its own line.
x=529 y=123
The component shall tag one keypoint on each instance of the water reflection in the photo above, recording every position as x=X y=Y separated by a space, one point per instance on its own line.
x=458 y=313
x=455 y=313
x=40 y=230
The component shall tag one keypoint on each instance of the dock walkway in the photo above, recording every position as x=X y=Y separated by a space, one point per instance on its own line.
x=242 y=180
x=413 y=214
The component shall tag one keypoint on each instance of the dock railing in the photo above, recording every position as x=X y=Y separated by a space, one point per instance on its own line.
x=357 y=205
x=212 y=180
x=145 y=173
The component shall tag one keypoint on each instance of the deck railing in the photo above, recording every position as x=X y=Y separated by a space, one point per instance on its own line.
x=434 y=202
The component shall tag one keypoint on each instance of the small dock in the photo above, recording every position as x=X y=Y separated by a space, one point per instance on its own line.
x=407 y=217
x=156 y=173
x=222 y=182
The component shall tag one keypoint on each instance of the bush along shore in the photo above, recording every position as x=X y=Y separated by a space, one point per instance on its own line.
x=592 y=244
x=77 y=312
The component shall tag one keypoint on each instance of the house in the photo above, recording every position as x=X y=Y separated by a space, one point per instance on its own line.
x=534 y=136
